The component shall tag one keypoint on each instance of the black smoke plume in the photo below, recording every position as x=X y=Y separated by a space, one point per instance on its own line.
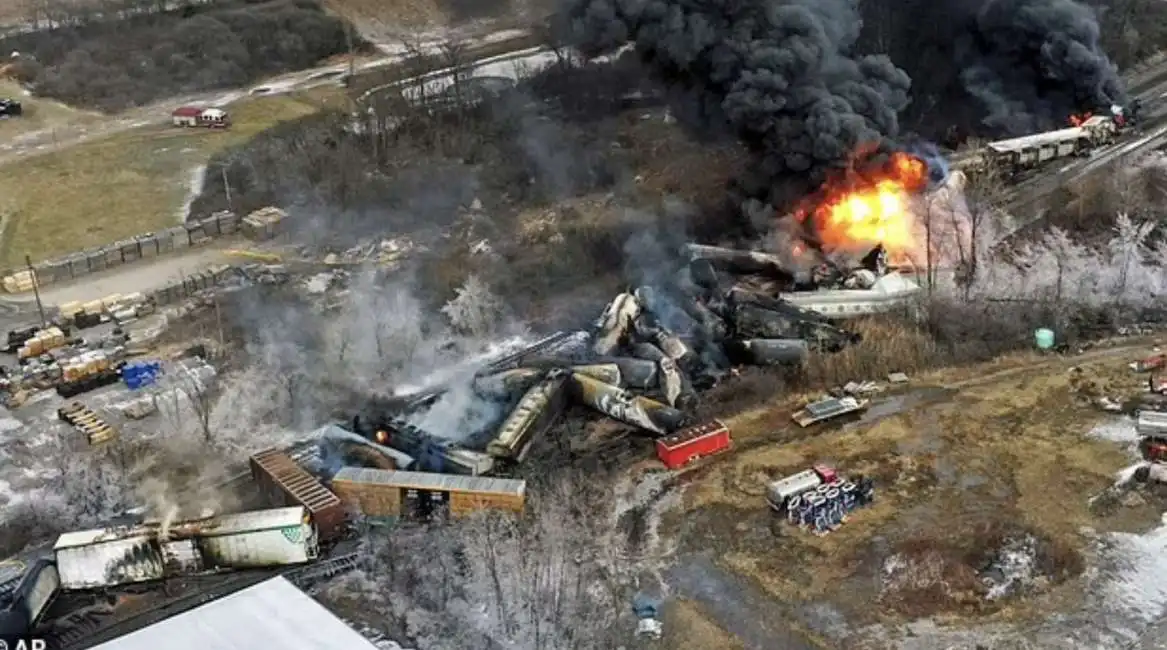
x=1032 y=63
x=782 y=76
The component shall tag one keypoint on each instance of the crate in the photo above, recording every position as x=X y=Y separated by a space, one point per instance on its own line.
x=90 y=424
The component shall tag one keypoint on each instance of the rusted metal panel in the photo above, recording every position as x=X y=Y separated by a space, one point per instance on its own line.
x=380 y=493
x=283 y=481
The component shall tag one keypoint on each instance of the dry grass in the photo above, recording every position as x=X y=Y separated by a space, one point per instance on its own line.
x=39 y=114
x=688 y=628
x=131 y=182
x=954 y=474
x=887 y=346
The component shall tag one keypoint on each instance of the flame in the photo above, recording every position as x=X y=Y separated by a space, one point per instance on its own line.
x=1079 y=120
x=383 y=437
x=866 y=208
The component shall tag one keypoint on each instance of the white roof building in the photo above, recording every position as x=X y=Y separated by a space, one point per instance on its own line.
x=271 y=614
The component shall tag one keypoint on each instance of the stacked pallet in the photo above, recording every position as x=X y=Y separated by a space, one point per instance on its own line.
x=83 y=419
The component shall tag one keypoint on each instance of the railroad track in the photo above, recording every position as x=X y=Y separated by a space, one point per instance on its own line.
x=90 y=628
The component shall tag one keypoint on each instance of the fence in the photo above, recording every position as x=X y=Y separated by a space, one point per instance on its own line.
x=145 y=246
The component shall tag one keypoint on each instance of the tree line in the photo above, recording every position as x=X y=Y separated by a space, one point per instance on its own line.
x=113 y=64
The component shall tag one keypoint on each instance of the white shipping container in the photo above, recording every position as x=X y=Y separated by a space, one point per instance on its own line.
x=91 y=559
x=781 y=490
x=261 y=538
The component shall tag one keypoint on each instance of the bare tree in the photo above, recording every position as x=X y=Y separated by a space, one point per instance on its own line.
x=542 y=581
x=475 y=310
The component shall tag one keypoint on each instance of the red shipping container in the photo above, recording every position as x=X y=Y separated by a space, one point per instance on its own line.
x=826 y=473
x=687 y=445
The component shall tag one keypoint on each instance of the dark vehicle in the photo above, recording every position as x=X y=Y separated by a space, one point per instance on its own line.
x=10 y=108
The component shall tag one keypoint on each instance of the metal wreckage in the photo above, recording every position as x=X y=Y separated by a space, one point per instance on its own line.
x=654 y=348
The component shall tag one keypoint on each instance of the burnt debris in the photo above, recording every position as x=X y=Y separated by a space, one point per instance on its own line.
x=651 y=350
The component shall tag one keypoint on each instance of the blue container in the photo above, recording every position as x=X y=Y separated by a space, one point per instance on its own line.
x=850 y=500
x=834 y=508
x=820 y=522
x=805 y=513
x=139 y=374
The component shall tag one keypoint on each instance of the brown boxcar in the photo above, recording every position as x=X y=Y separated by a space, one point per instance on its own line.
x=284 y=483
x=384 y=494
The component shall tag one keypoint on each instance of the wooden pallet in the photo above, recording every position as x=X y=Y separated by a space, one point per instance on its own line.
x=82 y=418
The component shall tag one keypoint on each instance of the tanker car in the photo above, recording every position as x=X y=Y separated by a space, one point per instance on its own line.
x=1027 y=152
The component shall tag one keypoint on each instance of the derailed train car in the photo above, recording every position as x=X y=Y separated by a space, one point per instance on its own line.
x=536 y=411
x=1034 y=150
x=30 y=598
x=102 y=558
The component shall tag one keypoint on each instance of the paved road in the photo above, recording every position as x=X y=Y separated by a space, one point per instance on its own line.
x=54 y=139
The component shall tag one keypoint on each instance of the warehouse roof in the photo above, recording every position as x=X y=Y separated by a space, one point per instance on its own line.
x=428 y=481
x=271 y=614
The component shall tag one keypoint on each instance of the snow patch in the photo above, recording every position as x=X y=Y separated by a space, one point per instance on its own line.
x=1137 y=586
x=194 y=188
x=1121 y=430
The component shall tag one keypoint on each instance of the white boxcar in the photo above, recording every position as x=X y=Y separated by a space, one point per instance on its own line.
x=260 y=538
x=104 y=558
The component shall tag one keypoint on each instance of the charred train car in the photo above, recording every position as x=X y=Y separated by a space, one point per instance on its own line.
x=96 y=559
x=1027 y=152
x=30 y=596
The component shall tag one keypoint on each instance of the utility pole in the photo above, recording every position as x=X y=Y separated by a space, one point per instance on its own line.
x=36 y=291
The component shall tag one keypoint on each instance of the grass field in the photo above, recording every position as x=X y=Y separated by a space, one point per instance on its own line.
x=127 y=183
x=39 y=114
x=962 y=460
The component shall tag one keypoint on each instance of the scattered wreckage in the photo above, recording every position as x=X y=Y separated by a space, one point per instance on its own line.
x=651 y=351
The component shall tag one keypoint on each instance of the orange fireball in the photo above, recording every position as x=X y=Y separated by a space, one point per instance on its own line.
x=866 y=208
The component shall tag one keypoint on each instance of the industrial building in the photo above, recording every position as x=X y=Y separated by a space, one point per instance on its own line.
x=271 y=614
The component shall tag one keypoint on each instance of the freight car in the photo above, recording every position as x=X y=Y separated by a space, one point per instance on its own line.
x=535 y=412
x=283 y=482
x=385 y=495
x=94 y=559
x=431 y=454
x=688 y=445
x=30 y=598
x=1030 y=151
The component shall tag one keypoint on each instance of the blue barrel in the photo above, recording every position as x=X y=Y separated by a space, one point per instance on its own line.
x=819 y=521
x=805 y=513
x=850 y=499
x=834 y=508
x=138 y=374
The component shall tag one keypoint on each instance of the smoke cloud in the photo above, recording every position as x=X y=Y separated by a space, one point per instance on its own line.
x=1033 y=62
x=796 y=82
x=783 y=77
